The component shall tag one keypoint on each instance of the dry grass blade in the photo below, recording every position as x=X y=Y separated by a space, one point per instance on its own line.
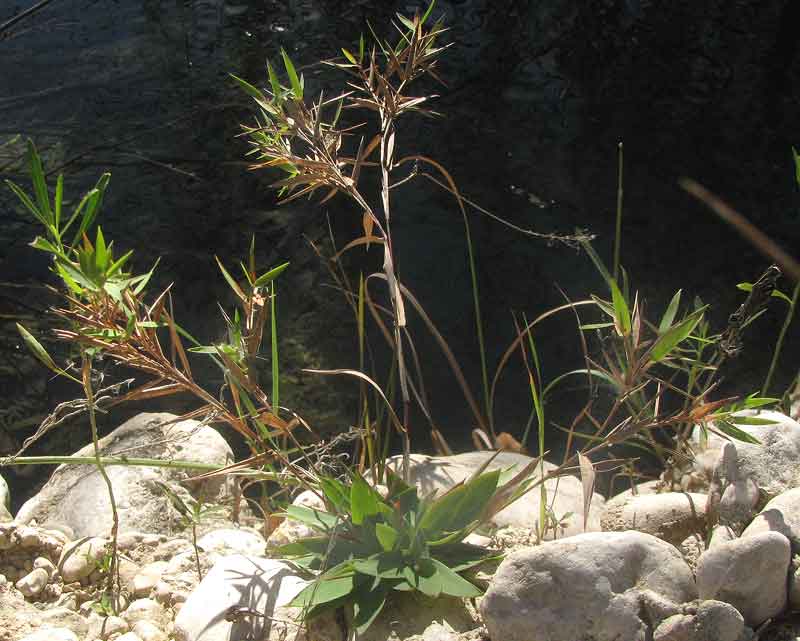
x=352 y=372
x=587 y=485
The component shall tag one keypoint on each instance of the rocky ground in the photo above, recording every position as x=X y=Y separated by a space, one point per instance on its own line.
x=719 y=562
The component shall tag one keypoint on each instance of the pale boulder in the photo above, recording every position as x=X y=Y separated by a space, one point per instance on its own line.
x=243 y=584
x=671 y=516
x=600 y=586
x=564 y=494
x=77 y=496
x=749 y=573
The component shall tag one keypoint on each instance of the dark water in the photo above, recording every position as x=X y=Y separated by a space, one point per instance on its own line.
x=538 y=96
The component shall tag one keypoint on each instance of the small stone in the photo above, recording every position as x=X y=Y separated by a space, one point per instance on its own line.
x=147 y=578
x=113 y=625
x=129 y=636
x=45 y=564
x=80 y=559
x=149 y=631
x=32 y=584
x=29 y=537
x=145 y=609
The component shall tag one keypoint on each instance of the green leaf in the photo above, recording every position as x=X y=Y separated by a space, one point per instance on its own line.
x=367 y=605
x=58 y=199
x=360 y=48
x=796 y=158
x=140 y=282
x=754 y=401
x=453 y=584
x=37 y=349
x=409 y=24
x=669 y=315
x=271 y=275
x=675 y=335
x=382 y=565
x=254 y=92
x=750 y=420
x=734 y=432
x=100 y=251
x=45 y=245
x=91 y=206
x=387 y=536
x=274 y=83
x=25 y=200
x=297 y=88
x=460 y=506
x=364 y=501
x=748 y=287
x=427 y=12
x=118 y=264
x=622 y=313
x=318 y=519
x=39 y=184
x=462 y=556
x=231 y=282
x=324 y=590
x=336 y=493
x=596 y=326
x=350 y=57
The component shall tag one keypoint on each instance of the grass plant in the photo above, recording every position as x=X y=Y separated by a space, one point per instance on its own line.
x=649 y=383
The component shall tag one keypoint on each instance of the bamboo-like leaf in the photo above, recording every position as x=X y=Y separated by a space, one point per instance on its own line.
x=427 y=12
x=271 y=275
x=349 y=56
x=297 y=88
x=729 y=429
x=58 y=199
x=276 y=375
x=233 y=284
x=40 y=352
x=39 y=184
x=675 y=335
x=254 y=92
x=25 y=200
x=669 y=315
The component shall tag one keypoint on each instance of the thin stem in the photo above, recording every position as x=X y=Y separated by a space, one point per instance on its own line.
x=618 y=229
x=113 y=569
x=779 y=343
x=196 y=550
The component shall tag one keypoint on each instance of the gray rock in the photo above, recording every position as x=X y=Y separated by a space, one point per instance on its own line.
x=76 y=495
x=773 y=465
x=81 y=558
x=145 y=610
x=671 y=516
x=5 y=502
x=749 y=573
x=598 y=586
x=147 y=578
x=32 y=584
x=781 y=514
x=5 y=494
x=149 y=631
x=229 y=541
x=564 y=494
x=263 y=586
x=710 y=621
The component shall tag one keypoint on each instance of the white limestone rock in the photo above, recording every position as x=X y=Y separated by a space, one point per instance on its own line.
x=80 y=558
x=265 y=586
x=76 y=495
x=708 y=621
x=749 y=573
x=590 y=587
x=671 y=516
